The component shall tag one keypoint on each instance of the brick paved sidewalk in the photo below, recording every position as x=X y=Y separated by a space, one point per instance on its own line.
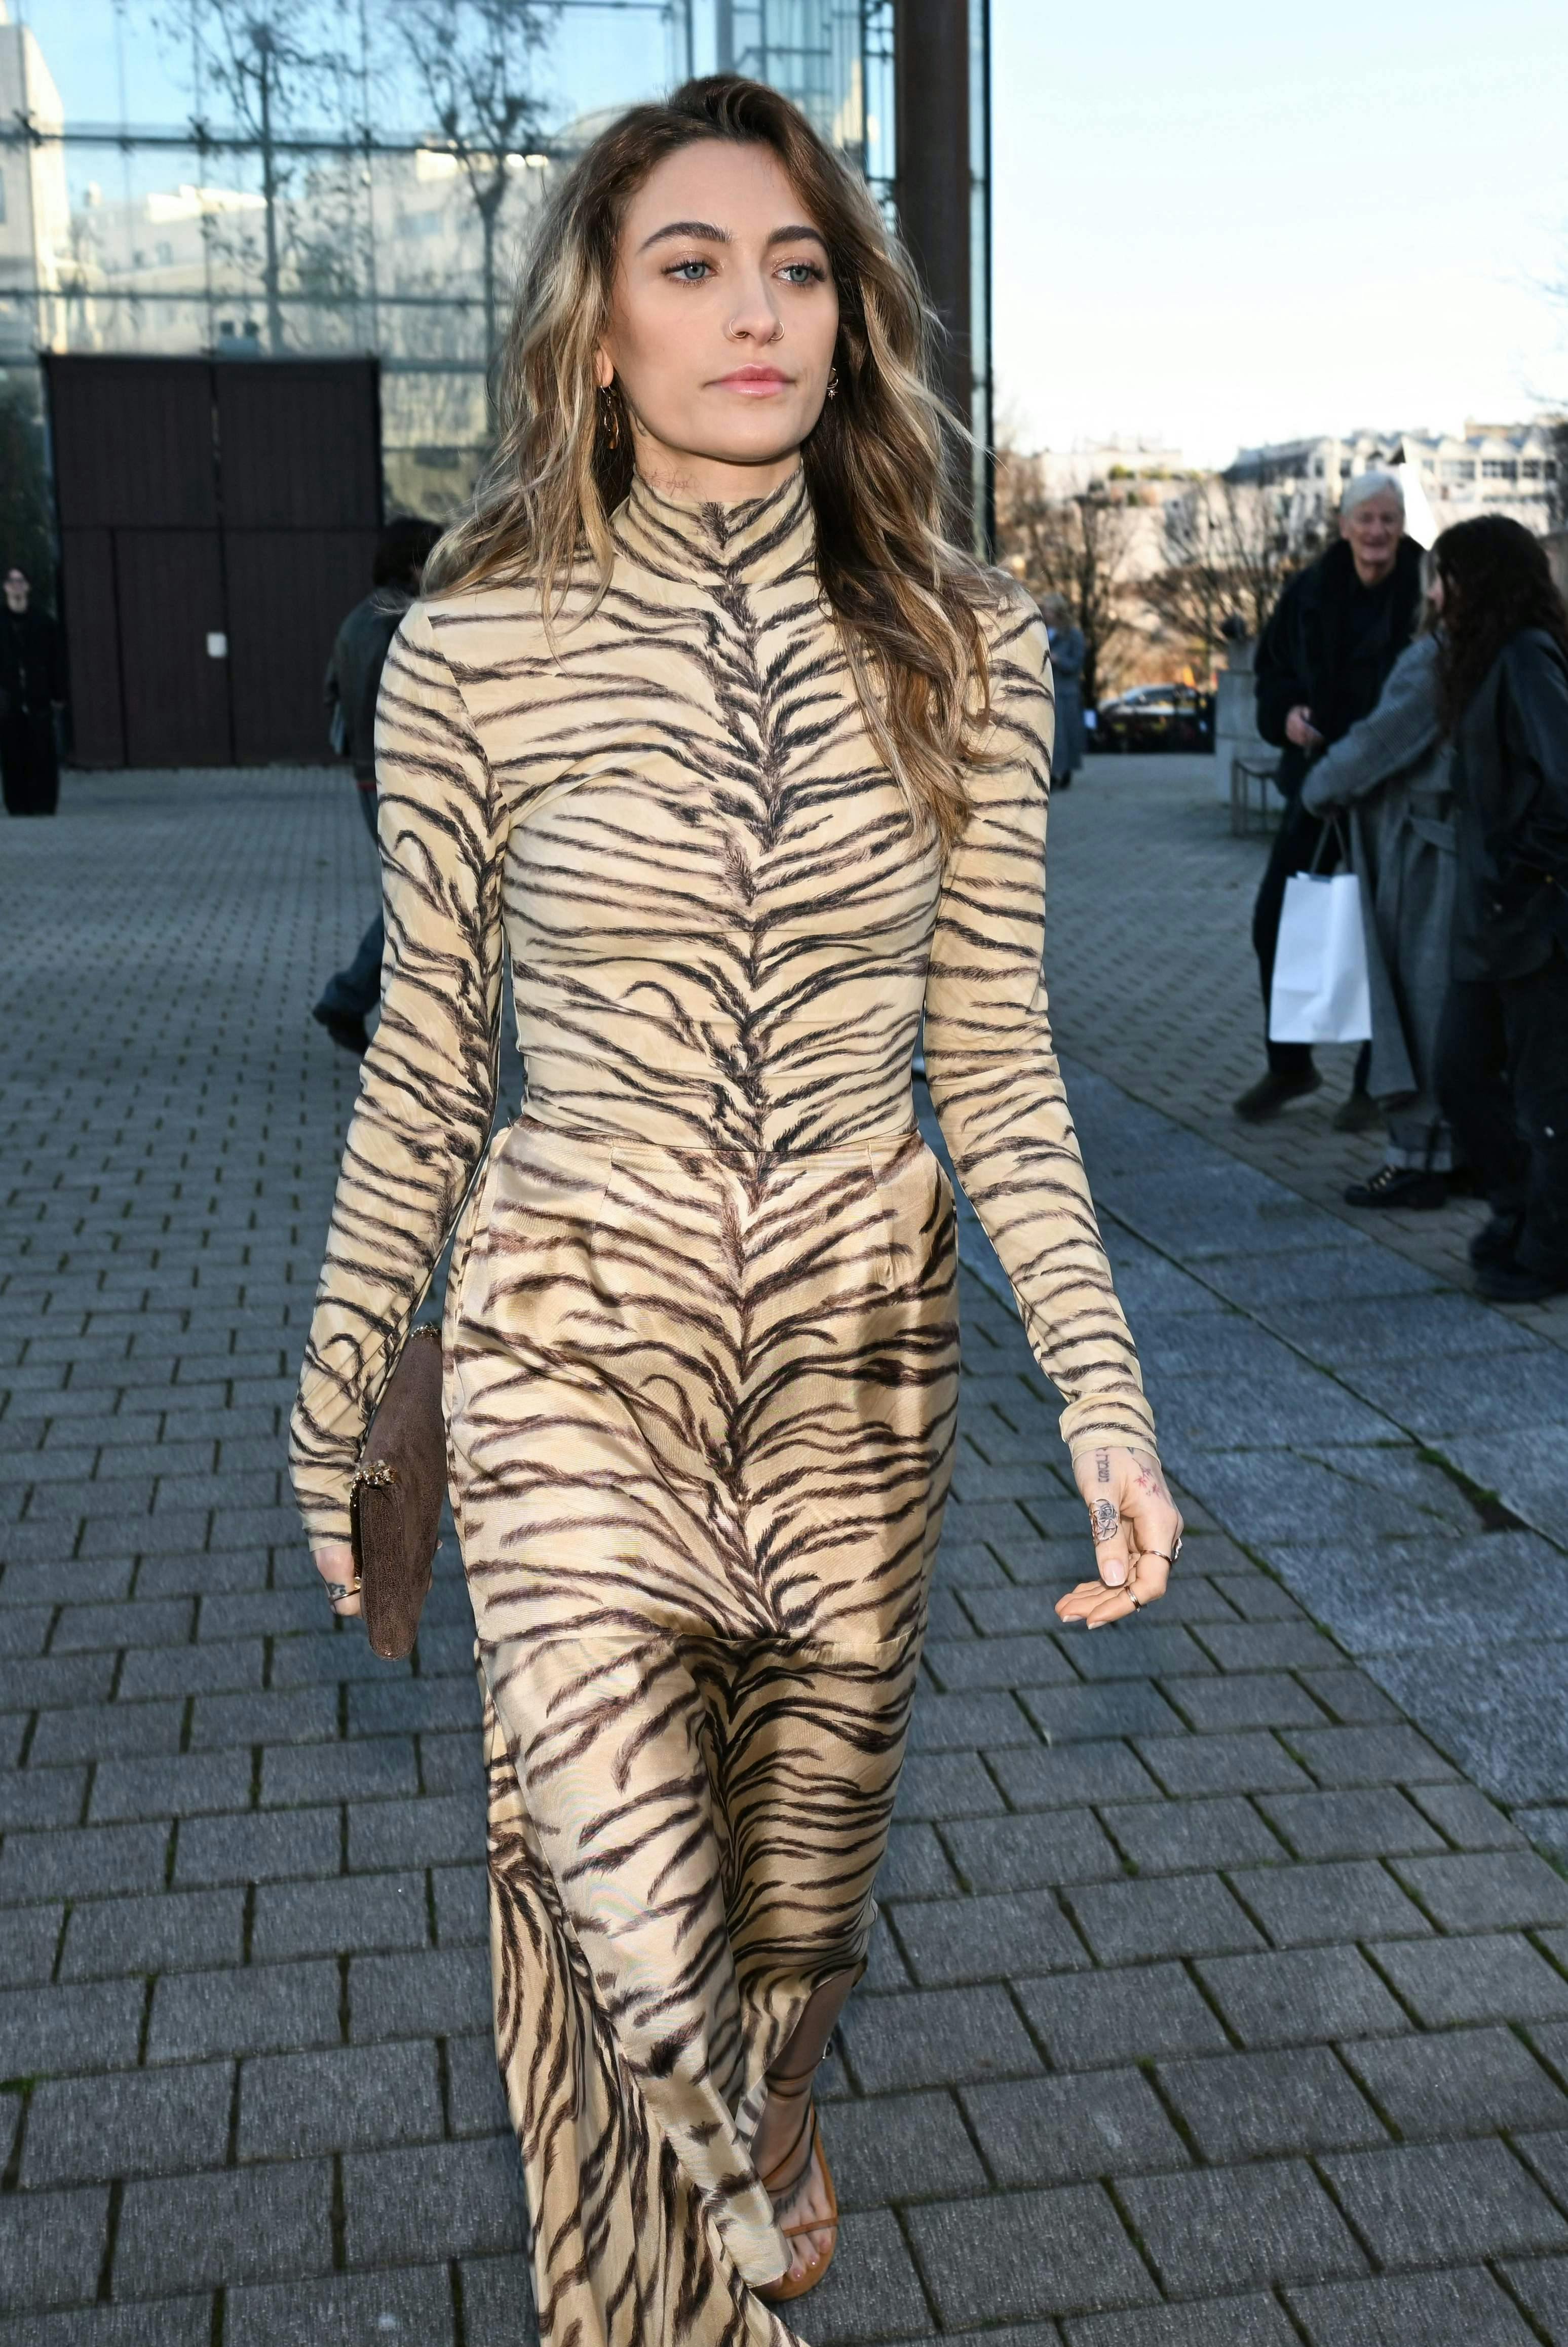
x=1215 y=2005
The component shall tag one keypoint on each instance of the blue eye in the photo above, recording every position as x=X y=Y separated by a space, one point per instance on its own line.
x=802 y=273
x=690 y=272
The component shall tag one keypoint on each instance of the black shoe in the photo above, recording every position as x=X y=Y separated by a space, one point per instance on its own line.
x=346 y=1028
x=1510 y=1283
x=1270 y=1093
x=1359 y=1114
x=1494 y=1243
x=1401 y=1185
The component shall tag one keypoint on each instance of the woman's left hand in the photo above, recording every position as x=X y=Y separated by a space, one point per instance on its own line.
x=1136 y=1529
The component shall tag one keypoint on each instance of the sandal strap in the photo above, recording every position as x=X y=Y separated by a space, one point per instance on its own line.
x=805 y=2134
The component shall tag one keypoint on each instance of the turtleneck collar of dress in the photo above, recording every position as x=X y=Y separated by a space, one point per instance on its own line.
x=754 y=544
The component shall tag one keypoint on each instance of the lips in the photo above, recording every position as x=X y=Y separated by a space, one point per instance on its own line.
x=754 y=378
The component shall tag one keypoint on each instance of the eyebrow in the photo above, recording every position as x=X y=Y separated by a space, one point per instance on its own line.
x=706 y=231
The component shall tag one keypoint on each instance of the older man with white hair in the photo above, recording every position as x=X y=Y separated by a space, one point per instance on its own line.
x=1322 y=662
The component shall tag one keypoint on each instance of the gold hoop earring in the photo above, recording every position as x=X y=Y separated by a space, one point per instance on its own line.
x=610 y=415
x=833 y=383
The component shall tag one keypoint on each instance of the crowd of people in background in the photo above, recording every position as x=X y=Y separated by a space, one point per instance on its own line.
x=1420 y=702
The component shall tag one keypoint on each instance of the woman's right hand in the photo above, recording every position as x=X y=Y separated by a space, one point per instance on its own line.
x=1300 y=730
x=335 y=1562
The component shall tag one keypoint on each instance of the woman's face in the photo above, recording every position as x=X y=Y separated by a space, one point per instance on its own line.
x=722 y=323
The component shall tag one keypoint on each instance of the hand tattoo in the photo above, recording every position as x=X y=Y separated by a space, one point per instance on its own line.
x=1105 y=1522
x=1102 y=1467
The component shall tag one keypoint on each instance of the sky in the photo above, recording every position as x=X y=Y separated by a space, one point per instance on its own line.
x=1213 y=224
x=1218 y=224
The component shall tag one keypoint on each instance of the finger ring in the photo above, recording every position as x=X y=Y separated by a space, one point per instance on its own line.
x=1137 y=1603
x=337 y=1590
x=1104 y=1521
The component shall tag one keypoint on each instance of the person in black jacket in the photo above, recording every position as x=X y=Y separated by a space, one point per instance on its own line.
x=354 y=680
x=1321 y=663
x=32 y=688
x=1502 y=1055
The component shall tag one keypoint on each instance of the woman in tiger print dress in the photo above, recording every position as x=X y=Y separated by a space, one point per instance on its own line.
x=745 y=767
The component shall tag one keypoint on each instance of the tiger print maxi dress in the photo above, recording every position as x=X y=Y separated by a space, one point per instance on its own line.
x=700 y=1337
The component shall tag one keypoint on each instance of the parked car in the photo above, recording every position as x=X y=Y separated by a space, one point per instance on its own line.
x=1156 y=717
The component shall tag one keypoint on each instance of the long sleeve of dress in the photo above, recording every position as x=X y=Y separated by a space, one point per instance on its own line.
x=1403 y=728
x=427 y=1089
x=993 y=1072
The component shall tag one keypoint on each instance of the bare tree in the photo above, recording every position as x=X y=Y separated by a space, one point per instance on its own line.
x=1078 y=546
x=271 y=61
x=1558 y=488
x=1230 y=547
x=477 y=60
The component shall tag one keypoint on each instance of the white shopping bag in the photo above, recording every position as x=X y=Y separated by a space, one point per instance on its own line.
x=1321 y=993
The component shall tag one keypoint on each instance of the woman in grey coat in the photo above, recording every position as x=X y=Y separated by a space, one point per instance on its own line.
x=1388 y=778
x=1067 y=654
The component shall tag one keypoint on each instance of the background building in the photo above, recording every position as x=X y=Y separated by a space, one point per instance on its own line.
x=362 y=181
x=1509 y=469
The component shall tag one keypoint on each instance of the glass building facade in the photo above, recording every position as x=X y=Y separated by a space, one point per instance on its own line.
x=357 y=176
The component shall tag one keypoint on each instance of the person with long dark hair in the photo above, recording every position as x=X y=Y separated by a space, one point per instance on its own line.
x=703 y=718
x=1503 y=1055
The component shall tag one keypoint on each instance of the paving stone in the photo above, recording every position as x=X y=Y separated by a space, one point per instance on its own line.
x=1033 y=1852
x=178 y=1785
x=1069 y=2130
x=239 y=2225
x=871 y=2292
x=1027 y=2253
x=1458 y=2082
x=1350 y=1697
x=161 y=1623
x=350 y=1915
x=1350 y=1899
x=1285 y=1645
x=1186 y=1915
x=368 y=1768
x=1301 y=1998
x=46 y=2030
x=1062 y=1780
x=388 y=1835
x=935 y=2037
x=306 y=1715
x=408 y=1706
x=1252 y=2105
x=258 y=2008
x=258 y=1848
x=1548 y=2156
x=1250 y=1700
x=462 y=1905
x=453 y=2200
x=1542 y=2285
x=436 y=1992
x=1494 y=1977
x=1375 y=1821
x=1251 y=2321
x=1178 y=1837
x=163 y=2322
x=1412 y=2310
x=1095 y=2019
x=341 y=2098
x=41 y=1796
x=1487 y=1891
x=1237 y=2227
x=1135 y=1649
x=137 y=2123
x=1066 y=1715
x=29 y=1937
x=1003 y=1937
x=973 y=1665
x=412 y=2304
x=1370 y=1756
x=51 y=2249
x=1468 y=1818
x=1443 y=2204
x=1190 y=1765
x=169 y=1931
x=224 y=1667
x=895 y=2147
x=476 y=2103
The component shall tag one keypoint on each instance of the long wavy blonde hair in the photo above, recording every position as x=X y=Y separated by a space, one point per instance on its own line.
x=907 y=602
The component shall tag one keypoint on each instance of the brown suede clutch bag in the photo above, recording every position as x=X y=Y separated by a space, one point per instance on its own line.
x=395 y=1503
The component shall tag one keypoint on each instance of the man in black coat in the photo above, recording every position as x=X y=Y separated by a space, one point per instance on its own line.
x=1321 y=663
x=32 y=688
x=353 y=682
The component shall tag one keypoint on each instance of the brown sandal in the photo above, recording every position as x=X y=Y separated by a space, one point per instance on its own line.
x=795 y=2286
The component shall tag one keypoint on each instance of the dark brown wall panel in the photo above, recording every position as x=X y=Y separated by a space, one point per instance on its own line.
x=92 y=639
x=288 y=592
x=175 y=694
x=299 y=445
x=133 y=443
